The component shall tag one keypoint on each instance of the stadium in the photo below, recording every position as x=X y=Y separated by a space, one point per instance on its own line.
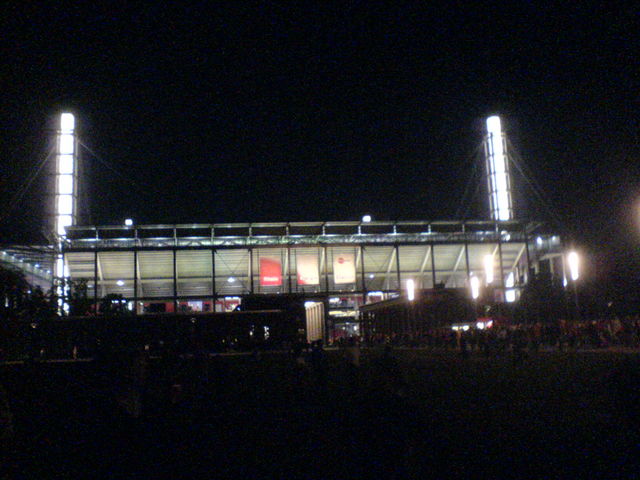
x=334 y=267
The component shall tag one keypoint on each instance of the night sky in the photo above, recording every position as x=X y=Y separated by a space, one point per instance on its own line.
x=301 y=111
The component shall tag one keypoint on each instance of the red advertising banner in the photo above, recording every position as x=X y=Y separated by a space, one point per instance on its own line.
x=270 y=272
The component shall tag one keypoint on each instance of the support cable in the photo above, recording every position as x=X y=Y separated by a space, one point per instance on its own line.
x=152 y=192
x=537 y=190
x=471 y=181
x=471 y=199
x=19 y=195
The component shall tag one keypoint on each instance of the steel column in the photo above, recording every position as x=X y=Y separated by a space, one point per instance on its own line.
x=398 y=267
x=526 y=245
x=213 y=277
x=251 y=270
x=175 y=282
x=135 y=281
x=289 y=265
x=95 y=282
x=501 y=266
x=362 y=275
x=326 y=274
x=433 y=265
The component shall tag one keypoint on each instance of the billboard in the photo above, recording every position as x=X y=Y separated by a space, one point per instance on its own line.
x=344 y=268
x=307 y=268
x=270 y=272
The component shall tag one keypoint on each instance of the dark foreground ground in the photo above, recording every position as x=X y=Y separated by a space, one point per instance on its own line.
x=572 y=415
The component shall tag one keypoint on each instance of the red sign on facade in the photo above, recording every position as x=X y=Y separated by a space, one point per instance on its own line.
x=270 y=272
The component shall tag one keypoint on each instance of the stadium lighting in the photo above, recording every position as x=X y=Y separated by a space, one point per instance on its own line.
x=65 y=188
x=128 y=222
x=411 y=290
x=65 y=195
x=498 y=171
x=366 y=219
x=67 y=122
x=574 y=263
x=488 y=268
x=475 y=287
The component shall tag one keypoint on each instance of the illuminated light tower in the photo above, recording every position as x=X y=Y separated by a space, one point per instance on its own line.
x=498 y=178
x=66 y=176
x=66 y=192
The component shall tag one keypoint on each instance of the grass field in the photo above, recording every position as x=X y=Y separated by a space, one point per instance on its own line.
x=427 y=415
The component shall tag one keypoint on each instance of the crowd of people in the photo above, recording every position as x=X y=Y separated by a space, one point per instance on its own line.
x=496 y=336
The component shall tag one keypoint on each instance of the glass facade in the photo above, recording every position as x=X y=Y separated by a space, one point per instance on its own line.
x=198 y=274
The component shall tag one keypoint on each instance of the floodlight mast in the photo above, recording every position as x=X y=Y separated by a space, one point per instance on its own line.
x=65 y=196
x=66 y=175
x=498 y=177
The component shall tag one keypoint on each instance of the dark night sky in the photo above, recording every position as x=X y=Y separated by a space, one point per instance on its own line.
x=273 y=112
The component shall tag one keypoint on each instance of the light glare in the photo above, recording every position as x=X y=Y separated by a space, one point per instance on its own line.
x=65 y=204
x=65 y=165
x=65 y=184
x=61 y=222
x=488 y=268
x=411 y=290
x=475 y=287
x=66 y=144
x=510 y=295
x=574 y=265
x=67 y=122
